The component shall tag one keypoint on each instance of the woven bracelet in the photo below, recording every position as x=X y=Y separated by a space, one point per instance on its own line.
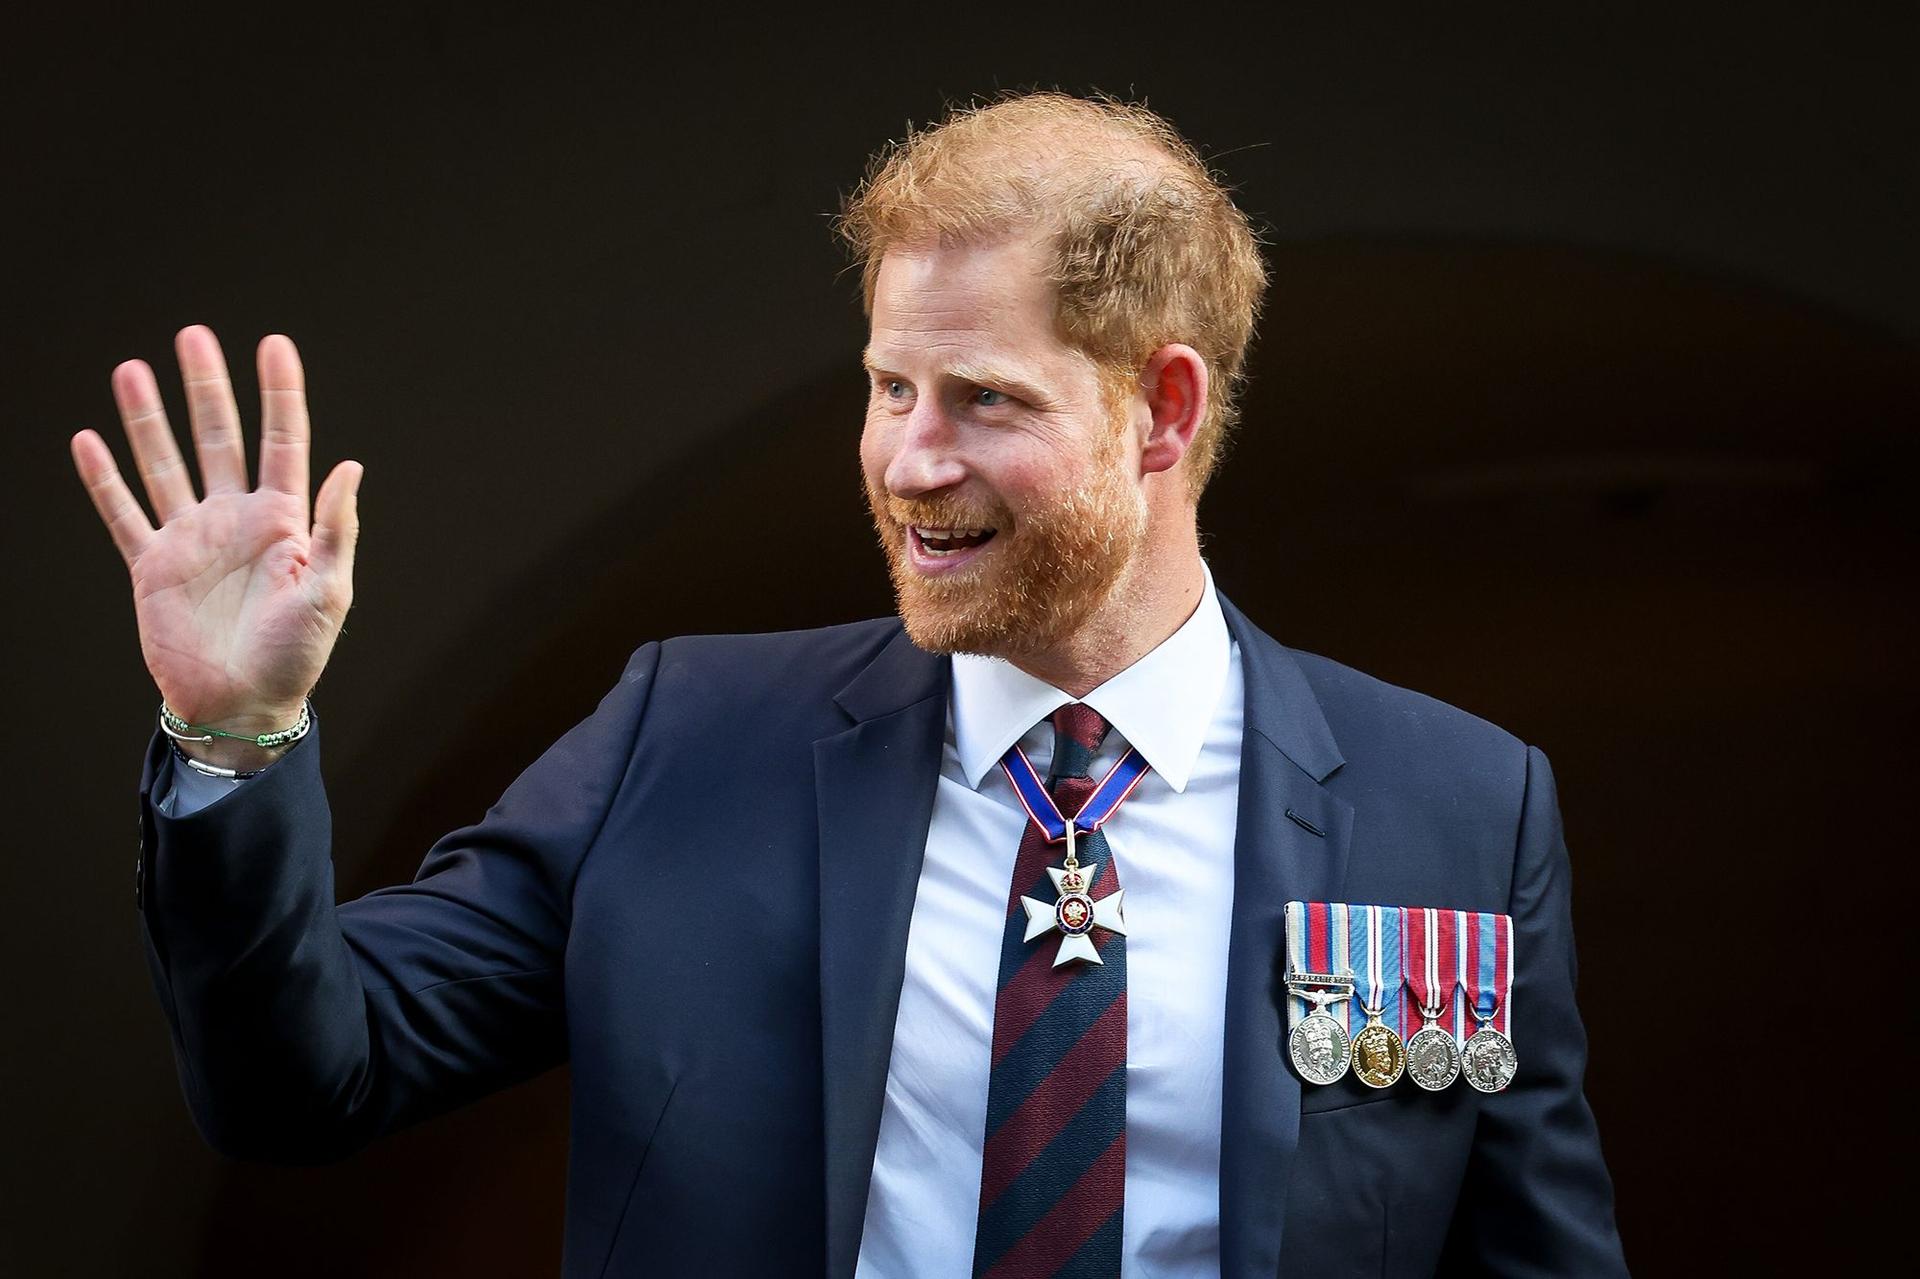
x=181 y=731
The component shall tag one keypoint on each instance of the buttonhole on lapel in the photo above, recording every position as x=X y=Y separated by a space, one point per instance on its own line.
x=1304 y=824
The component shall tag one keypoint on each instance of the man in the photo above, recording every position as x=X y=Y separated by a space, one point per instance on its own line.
x=767 y=899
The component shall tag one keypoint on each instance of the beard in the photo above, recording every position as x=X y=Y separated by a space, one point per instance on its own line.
x=1030 y=586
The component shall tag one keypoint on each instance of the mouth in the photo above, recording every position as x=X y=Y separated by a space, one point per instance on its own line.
x=942 y=550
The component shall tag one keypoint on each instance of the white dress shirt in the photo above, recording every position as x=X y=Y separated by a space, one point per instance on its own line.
x=1182 y=707
x=193 y=790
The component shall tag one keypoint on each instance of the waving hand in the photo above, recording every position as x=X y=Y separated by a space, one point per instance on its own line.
x=239 y=593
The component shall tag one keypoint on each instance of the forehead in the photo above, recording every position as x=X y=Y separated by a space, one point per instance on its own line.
x=983 y=303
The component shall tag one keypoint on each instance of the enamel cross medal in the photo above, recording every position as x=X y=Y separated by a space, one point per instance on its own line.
x=1076 y=913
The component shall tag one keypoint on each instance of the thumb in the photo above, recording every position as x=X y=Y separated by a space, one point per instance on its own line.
x=336 y=523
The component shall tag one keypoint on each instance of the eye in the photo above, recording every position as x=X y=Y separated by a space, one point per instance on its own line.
x=986 y=397
x=892 y=388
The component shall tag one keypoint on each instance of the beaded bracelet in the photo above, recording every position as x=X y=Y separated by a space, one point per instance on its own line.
x=178 y=729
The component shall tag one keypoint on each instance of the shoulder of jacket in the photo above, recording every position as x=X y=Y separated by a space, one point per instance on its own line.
x=779 y=666
x=1366 y=713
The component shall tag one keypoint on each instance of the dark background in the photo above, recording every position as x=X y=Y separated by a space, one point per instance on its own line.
x=1585 y=399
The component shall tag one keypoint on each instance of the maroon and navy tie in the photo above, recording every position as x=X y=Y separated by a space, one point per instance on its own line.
x=1054 y=1167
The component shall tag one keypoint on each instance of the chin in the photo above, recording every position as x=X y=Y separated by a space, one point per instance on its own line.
x=991 y=617
x=942 y=631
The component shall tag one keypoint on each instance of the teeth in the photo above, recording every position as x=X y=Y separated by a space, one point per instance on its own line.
x=928 y=536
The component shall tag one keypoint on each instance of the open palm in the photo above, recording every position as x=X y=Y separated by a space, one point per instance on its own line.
x=239 y=598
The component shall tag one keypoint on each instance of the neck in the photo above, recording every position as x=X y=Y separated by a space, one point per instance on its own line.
x=1153 y=600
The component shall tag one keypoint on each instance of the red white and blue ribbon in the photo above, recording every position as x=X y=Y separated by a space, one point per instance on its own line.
x=1430 y=963
x=1401 y=958
x=1107 y=797
x=1486 y=970
x=1320 y=940
x=1374 y=944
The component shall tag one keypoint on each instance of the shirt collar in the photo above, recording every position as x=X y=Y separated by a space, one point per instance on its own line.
x=1161 y=704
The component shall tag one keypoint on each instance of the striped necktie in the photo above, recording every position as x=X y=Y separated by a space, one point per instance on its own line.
x=1053 y=1171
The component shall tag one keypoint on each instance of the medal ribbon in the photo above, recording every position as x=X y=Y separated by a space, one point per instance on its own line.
x=1317 y=942
x=1102 y=804
x=1339 y=945
x=1296 y=959
x=1430 y=962
x=1375 y=945
x=1297 y=938
x=1486 y=972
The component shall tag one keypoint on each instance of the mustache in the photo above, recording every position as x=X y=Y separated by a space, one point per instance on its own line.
x=945 y=513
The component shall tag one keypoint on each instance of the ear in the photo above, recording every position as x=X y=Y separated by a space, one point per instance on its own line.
x=1174 y=385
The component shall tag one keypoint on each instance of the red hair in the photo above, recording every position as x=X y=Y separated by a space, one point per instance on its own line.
x=1146 y=247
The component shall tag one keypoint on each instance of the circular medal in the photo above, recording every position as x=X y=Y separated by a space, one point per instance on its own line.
x=1320 y=1048
x=1488 y=1061
x=1379 y=1058
x=1433 y=1059
x=1073 y=914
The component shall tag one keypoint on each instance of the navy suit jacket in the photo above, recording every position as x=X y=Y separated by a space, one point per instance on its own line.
x=722 y=965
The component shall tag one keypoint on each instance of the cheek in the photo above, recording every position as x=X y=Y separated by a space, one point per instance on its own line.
x=1027 y=478
x=874 y=454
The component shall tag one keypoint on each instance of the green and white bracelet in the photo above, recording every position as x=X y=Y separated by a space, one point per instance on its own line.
x=181 y=731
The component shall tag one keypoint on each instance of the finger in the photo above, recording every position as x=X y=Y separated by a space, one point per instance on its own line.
x=284 y=431
x=156 y=454
x=125 y=521
x=210 y=407
x=336 y=524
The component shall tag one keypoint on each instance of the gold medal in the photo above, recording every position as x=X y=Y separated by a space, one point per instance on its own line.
x=1379 y=1056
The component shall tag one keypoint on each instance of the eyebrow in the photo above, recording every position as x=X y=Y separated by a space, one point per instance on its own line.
x=1000 y=379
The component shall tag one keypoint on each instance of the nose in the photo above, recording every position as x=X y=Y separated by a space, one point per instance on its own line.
x=926 y=456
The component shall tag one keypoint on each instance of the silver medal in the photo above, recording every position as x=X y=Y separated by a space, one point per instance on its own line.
x=1320 y=1048
x=1433 y=1058
x=1488 y=1061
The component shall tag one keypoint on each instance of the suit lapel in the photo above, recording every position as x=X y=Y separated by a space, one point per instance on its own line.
x=1287 y=751
x=875 y=786
x=876 y=783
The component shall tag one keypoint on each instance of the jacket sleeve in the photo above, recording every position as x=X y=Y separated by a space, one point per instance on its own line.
x=1537 y=1199
x=303 y=1030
